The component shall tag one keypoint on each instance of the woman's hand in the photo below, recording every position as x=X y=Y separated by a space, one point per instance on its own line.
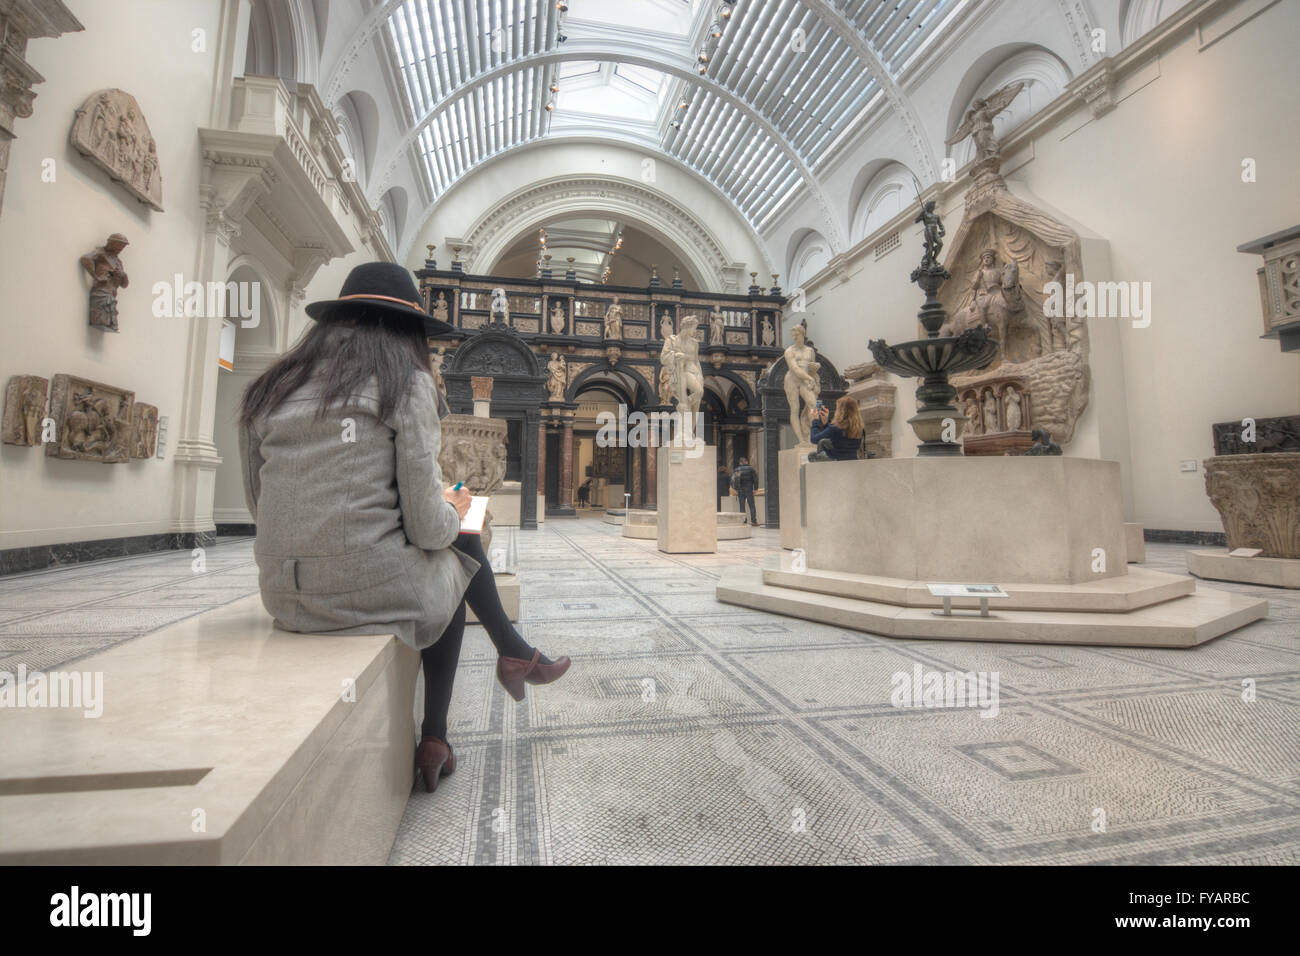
x=459 y=500
x=823 y=413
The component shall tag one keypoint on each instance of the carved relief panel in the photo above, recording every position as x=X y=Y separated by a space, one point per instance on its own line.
x=92 y=420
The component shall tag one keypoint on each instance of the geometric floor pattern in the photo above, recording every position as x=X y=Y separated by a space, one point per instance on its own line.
x=689 y=731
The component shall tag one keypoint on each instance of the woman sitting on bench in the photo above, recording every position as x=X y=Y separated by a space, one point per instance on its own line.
x=355 y=533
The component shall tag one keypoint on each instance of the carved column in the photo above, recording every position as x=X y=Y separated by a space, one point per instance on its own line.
x=541 y=458
x=566 y=466
x=729 y=450
x=651 y=478
x=755 y=451
x=20 y=21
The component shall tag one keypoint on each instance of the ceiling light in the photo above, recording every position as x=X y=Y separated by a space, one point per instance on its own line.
x=550 y=106
x=716 y=30
x=725 y=11
x=560 y=38
x=682 y=105
x=562 y=6
x=704 y=68
x=704 y=56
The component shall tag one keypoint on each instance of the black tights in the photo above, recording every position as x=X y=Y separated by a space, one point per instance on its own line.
x=441 y=658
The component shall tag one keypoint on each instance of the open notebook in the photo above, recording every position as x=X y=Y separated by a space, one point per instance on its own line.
x=472 y=523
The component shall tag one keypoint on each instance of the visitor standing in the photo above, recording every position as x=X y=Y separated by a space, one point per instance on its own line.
x=745 y=480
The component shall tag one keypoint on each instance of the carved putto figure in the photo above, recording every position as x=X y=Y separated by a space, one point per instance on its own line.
x=614 y=321
x=681 y=357
x=769 y=336
x=440 y=308
x=557 y=319
x=978 y=123
x=559 y=377
x=104 y=267
x=716 y=327
x=802 y=383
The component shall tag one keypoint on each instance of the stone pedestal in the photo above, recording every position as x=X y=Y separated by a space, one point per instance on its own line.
x=687 y=500
x=614 y=495
x=1135 y=542
x=967 y=520
x=1222 y=566
x=790 y=463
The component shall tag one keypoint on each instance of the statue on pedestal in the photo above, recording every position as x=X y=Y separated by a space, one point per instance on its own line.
x=716 y=327
x=934 y=233
x=559 y=377
x=440 y=308
x=436 y=360
x=769 y=336
x=665 y=324
x=1013 y=409
x=978 y=123
x=990 y=414
x=557 y=319
x=614 y=321
x=105 y=269
x=681 y=357
x=802 y=383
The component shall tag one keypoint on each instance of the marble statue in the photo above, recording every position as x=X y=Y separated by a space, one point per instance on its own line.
x=104 y=266
x=24 y=409
x=614 y=321
x=665 y=385
x=557 y=319
x=716 y=327
x=769 y=336
x=440 y=308
x=995 y=299
x=934 y=233
x=144 y=430
x=665 y=324
x=1043 y=444
x=681 y=356
x=110 y=130
x=500 y=307
x=802 y=383
x=1012 y=399
x=973 y=417
x=990 y=414
x=978 y=123
x=559 y=377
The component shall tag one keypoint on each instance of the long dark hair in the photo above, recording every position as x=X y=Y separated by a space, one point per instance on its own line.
x=393 y=350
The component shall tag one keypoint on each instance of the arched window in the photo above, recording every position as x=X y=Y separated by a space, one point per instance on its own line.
x=889 y=192
x=1140 y=17
x=810 y=256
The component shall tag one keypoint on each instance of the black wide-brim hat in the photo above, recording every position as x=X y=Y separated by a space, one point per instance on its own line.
x=378 y=287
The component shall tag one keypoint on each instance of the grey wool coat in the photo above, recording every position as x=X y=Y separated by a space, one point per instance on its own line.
x=354 y=536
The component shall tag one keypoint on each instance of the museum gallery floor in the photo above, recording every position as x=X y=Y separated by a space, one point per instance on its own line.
x=691 y=731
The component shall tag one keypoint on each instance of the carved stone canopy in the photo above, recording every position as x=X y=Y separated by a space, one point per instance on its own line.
x=110 y=129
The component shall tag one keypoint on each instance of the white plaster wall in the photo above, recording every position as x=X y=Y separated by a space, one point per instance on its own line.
x=46 y=226
x=1158 y=178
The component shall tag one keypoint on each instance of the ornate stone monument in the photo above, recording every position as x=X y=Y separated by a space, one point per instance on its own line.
x=110 y=129
x=1002 y=255
x=92 y=421
x=24 y=409
x=104 y=266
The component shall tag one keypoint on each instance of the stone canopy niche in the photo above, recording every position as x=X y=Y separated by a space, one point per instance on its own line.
x=1002 y=255
x=110 y=130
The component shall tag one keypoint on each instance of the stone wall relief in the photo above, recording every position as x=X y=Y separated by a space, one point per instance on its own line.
x=24 y=412
x=93 y=421
x=110 y=129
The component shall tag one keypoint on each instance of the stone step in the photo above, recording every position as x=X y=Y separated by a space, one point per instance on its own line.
x=1141 y=587
x=1182 y=622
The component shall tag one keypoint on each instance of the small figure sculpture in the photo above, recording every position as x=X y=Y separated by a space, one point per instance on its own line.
x=973 y=418
x=614 y=321
x=559 y=376
x=500 y=307
x=24 y=409
x=436 y=361
x=557 y=319
x=665 y=385
x=1043 y=444
x=979 y=122
x=105 y=269
x=1013 y=409
x=440 y=308
x=802 y=383
x=990 y=414
x=681 y=356
x=934 y=233
x=665 y=324
x=716 y=332
x=769 y=336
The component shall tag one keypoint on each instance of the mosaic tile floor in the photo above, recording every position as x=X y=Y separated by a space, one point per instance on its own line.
x=690 y=731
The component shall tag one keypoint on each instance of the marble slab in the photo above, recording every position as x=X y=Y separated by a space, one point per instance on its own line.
x=1135 y=545
x=687 y=498
x=790 y=465
x=222 y=740
x=1221 y=566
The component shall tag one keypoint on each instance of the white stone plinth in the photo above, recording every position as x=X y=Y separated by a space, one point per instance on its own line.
x=687 y=492
x=1135 y=542
x=505 y=504
x=1003 y=520
x=1221 y=566
x=614 y=496
x=789 y=463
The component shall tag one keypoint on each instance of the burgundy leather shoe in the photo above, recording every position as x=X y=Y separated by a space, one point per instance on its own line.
x=514 y=672
x=434 y=759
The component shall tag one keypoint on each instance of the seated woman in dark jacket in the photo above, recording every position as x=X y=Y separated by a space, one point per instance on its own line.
x=841 y=438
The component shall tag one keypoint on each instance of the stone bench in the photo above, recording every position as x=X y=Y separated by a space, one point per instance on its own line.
x=222 y=740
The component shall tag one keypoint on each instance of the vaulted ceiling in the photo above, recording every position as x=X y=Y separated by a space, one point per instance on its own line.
x=750 y=95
